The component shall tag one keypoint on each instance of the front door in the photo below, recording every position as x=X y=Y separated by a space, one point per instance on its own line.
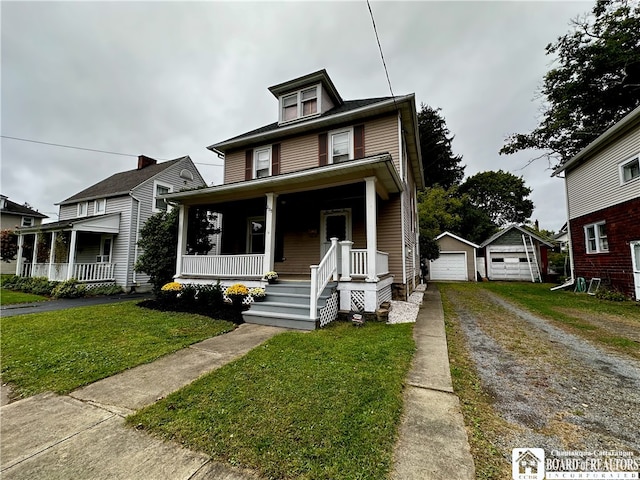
x=635 y=261
x=334 y=223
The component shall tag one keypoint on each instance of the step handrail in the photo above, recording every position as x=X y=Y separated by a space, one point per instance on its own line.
x=320 y=275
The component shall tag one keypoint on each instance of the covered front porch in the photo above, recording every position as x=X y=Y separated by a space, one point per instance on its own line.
x=319 y=227
x=80 y=249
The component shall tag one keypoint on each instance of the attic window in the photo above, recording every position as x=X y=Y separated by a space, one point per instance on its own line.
x=300 y=104
x=186 y=174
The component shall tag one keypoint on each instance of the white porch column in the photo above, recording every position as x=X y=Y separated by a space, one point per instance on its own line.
x=34 y=258
x=19 y=260
x=72 y=254
x=372 y=229
x=270 y=233
x=183 y=216
x=346 y=260
x=52 y=254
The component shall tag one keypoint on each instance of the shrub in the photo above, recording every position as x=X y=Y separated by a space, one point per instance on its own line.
x=210 y=296
x=69 y=289
x=105 y=290
x=41 y=286
x=611 y=295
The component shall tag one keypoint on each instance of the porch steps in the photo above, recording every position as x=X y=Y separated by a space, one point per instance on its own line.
x=287 y=305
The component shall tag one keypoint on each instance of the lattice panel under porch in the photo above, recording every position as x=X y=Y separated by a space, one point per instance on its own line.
x=330 y=311
x=385 y=295
x=357 y=300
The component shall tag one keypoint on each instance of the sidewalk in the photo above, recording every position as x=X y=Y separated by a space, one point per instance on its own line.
x=433 y=443
x=83 y=435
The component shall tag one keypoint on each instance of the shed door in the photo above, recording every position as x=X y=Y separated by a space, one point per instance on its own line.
x=509 y=266
x=449 y=266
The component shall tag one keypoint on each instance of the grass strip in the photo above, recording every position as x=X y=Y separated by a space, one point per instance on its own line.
x=63 y=350
x=484 y=425
x=9 y=297
x=319 y=405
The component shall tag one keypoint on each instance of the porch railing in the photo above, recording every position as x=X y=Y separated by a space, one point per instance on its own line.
x=83 y=272
x=320 y=275
x=250 y=265
x=359 y=263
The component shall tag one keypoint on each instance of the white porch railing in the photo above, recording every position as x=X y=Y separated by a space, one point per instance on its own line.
x=320 y=275
x=359 y=263
x=83 y=272
x=250 y=265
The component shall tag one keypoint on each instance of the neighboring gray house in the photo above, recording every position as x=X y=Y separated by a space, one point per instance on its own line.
x=457 y=260
x=96 y=237
x=13 y=216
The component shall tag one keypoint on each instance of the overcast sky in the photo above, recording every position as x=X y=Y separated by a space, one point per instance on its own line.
x=167 y=79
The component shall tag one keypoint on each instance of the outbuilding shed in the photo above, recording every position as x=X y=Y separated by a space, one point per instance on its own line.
x=457 y=259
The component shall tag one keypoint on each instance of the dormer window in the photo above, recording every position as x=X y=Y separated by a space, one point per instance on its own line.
x=300 y=104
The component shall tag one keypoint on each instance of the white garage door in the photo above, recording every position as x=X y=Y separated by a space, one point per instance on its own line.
x=449 y=266
x=509 y=266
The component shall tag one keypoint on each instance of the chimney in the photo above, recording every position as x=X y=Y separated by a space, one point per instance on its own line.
x=144 y=161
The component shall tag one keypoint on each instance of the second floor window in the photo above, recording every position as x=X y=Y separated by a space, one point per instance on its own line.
x=83 y=209
x=262 y=162
x=27 y=222
x=160 y=204
x=340 y=146
x=100 y=206
x=596 y=238
x=630 y=170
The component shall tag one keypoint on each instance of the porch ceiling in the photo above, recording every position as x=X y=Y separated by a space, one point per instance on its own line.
x=379 y=166
x=96 y=224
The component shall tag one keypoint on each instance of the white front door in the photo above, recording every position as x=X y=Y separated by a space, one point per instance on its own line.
x=635 y=261
x=334 y=223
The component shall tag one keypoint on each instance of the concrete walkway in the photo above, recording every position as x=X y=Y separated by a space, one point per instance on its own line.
x=83 y=435
x=433 y=443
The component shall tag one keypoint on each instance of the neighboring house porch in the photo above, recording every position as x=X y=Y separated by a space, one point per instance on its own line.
x=321 y=225
x=81 y=249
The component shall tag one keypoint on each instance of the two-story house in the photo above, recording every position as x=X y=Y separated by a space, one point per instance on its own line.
x=603 y=201
x=13 y=216
x=325 y=196
x=95 y=239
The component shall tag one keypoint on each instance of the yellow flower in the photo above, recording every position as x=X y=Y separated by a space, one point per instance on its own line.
x=237 y=289
x=172 y=287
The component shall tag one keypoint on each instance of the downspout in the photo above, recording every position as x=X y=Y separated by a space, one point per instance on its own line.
x=135 y=248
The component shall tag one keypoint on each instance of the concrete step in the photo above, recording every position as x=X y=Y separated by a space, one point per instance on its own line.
x=298 y=322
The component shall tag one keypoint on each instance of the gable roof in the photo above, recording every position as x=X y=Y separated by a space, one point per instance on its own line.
x=522 y=229
x=627 y=122
x=13 y=208
x=460 y=239
x=121 y=183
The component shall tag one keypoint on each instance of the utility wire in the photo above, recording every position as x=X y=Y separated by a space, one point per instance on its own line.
x=87 y=149
x=384 y=64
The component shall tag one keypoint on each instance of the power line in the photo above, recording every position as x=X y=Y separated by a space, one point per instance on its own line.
x=89 y=149
x=384 y=64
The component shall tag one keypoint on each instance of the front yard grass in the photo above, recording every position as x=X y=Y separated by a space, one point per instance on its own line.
x=9 y=297
x=319 y=405
x=63 y=350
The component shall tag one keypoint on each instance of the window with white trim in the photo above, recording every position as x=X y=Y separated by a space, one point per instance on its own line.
x=595 y=236
x=159 y=188
x=27 y=222
x=255 y=234
x=340 y=146
x=300 y=104
x=262 y=162
x=100 y=206
x=83 y=209
x=630 y=170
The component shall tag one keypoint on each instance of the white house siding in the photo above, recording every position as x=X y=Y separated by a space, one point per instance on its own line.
x=68 y=212
x=120 y=205
x=601 y=174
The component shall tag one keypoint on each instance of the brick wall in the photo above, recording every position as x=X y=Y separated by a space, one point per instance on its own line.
x=614 y=267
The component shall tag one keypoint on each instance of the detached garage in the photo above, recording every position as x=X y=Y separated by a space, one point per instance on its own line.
x=457 y=259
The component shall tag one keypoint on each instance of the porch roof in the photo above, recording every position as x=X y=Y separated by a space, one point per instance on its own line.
x=97 y=224
x=381 y=166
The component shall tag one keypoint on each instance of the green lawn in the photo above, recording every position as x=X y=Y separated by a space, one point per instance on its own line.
x=63 y=350
x=319 y=405
x=9 y=297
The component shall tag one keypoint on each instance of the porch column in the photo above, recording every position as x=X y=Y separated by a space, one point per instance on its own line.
x=52 y=254
x=372 y=234
x=183 y=216
x=346 y=260
x=270 y=233
x=19 y=257
x=34 y=259
x=72 y=254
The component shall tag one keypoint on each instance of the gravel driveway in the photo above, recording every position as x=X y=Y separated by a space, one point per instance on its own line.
x=557 y=390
